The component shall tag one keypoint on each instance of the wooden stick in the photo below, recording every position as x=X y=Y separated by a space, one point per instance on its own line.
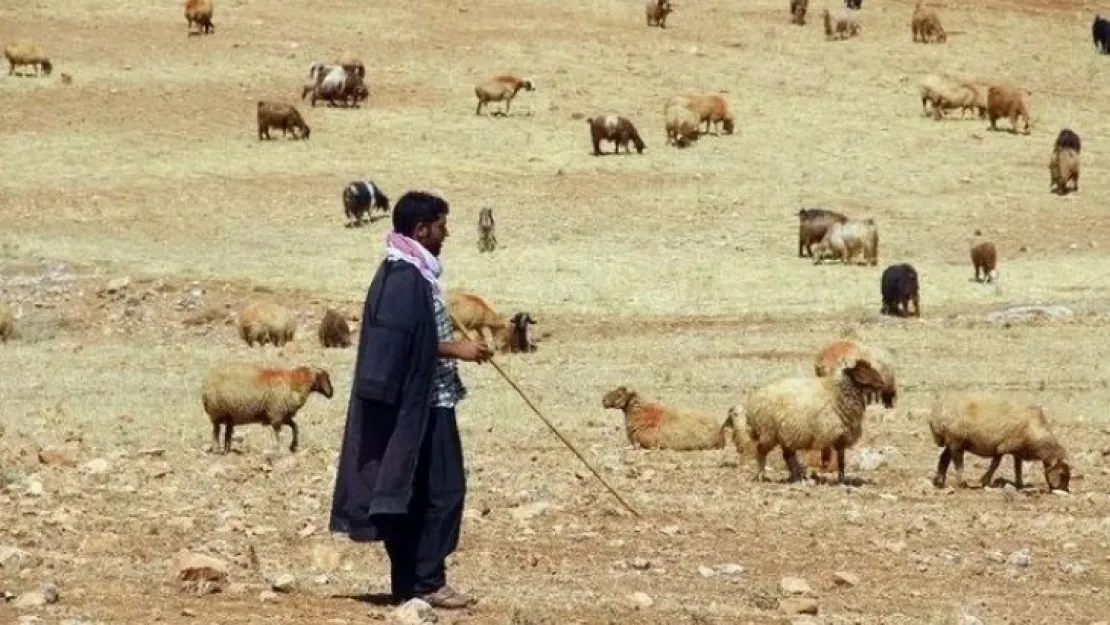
x=550 y=425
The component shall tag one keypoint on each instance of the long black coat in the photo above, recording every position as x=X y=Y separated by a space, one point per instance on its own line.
x=390 y=403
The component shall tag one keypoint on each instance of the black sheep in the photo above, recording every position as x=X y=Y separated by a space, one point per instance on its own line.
x=1067 y=139
x=361 y=198
x=1100 y=33
x=899 y=288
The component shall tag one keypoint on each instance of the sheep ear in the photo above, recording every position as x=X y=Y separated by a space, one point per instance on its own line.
x=864 y=374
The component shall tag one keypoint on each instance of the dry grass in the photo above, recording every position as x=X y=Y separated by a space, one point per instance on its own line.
x=674 y=272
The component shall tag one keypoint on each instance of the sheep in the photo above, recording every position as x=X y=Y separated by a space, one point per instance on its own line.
x=240 y=394
x=993 y=426
x=945 y=93
x=266 y=322
x=280 y=115
x=681 y=125
x=798 y=10
x=830 y=356
x=925 y=25
x=501 y=88
x=650 y=425
x=1067 y=138
x=854 y=4
x=657 y=12
x=813 y=223
x=487 y=237
x=807 y=413
x=1063 y=171
x=899 y=287
x=840 y=23
x=333 y=330
x=711 y=108
x=984 y=258
x=520 y=339
x=360 y=199
x=1100 y=34
x=1008 y=102
x=844 y=240
x=476 y=314
x=7 y=322
x=615 y=128
x=26 y=52
x=199 y=12
x=352 y=63
x=337 y=84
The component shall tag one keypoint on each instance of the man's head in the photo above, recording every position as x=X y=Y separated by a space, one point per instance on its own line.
x=423 y=217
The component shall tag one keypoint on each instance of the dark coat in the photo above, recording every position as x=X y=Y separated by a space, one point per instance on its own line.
x=390 y=403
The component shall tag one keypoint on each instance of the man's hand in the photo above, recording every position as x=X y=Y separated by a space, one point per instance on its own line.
x=470 y=351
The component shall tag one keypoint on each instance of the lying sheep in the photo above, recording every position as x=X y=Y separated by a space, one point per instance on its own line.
x=657 y=12
x=240 y=394
x=360 y=199
x=7 y=322
x=992 y=426
x=25 y=52
x=334 y=330
x=1063 y=171
x=808 y=413
x=898 y=287
x=944 y=94
x=841 y=23
x=280 y=115
x=844 y=241
x=1008 y=102
x=681 y=125
x=830 y=357
x=798 y=10
x=653 y=426
x=926 y=25
x=813 y=224
x=617 y=129
x=266 y=322
x=501 y=88
x=487 y=236
x=984 y=258
x=199 y=13
x=1067 y=138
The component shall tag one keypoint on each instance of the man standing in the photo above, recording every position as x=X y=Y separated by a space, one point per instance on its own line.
x=400 y=478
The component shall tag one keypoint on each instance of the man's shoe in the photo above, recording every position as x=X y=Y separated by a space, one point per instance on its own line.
x=447 y=598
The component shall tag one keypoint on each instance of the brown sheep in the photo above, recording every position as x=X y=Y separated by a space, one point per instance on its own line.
x=984 y=258
x=266 y=322
x=711 y=108
x=501 y=88
x=798 y=10
x=280 y=115
x=926 y=25
x=840 y=23
x=1007 y=102
x=1063 y=171
x=334 y=330
x=7 y=322
x=681 y=125
x=351 y=62
x=478 y=316
x=487 y=237
x=653 y=426
x=844 y=240
x=813 y=223
x=657 y=12
x=199 y=13
x=944 y=93
x=615 y=128
x=26 y=52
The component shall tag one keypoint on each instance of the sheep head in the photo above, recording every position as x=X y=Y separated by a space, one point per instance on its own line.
x=528 y=85
x=321 y=382
x=728 y=125
x=863 y=375
x=618 y=398
x=1057 y=474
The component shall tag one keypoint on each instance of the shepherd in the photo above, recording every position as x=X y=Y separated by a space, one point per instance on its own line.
x=401 y=479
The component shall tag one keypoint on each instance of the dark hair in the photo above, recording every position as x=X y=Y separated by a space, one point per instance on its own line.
x=417 y=207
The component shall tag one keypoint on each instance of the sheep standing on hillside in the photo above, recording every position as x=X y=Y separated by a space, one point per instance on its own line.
x=1068 y=138
x=899 y=287
x=798 y=10
x=944 y=94
x=657 y=12
x=199 y=13
x=360 y=199
x=807 y=413
x=617 y=129
x=653 y=426
x=711 y=108
x=1007 y=102
x=813 y=224
x=925 y=25
x=984 y=258
x=501 y=88
x=844 y=241
x=991 y=426
x=680 y=123
x=487 y=237
x=7 y=322
x=25 y=52
x=339 y=83
x=280 y=115
x=266 y=322
x=1063 y=171
x=240 y=394
x=334 y=330
x=840 y=23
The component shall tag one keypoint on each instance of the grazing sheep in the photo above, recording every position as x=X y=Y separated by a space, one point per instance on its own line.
x=1067 y=138
x=617 y=129
x=240 y=394
x=808 y=413
x=945 y=94
x=926 y=25
x=280 y=115
x=840 y=23
x=501 y=88
x=992 y=426
x=813 y=223
x=711 y=108
x=1100 y=33
x=798 y=10
x=1007 y=102
x=334 y=330
x=828 y=359
x=266 y=322
x=25 y=52
x=487 y=238
x=845 y=240
x=360 y=199
x=7 y=322
x=899 y=287
x=1063 y=171
x=653 y=426
x=657 y=12
x=984 y=258
x=199 y=13
x=338 y=83
x=681 y=124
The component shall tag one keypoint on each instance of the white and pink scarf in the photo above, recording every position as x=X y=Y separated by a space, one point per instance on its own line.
x=409 y=250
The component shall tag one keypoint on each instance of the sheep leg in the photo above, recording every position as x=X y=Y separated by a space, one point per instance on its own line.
x=942 y=467
x=988 y=477
x=478 y=110
x=296 y=435
x=791 y=459
x=958 y=461
x=761 y=452
x=228 y=428
x=277 y=435
x=215 y=438
x=1017 y=472
x=840 y=464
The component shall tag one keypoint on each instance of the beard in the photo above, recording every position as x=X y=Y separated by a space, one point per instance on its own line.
x=434 y=247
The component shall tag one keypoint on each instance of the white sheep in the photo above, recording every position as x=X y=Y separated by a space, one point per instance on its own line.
x=267 y=322
x=992 y=426
x=238 y=394
x=808 y=413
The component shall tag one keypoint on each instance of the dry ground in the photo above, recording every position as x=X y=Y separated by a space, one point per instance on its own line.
x=674 y=272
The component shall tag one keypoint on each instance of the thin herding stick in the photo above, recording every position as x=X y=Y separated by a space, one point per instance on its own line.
x=548 y=423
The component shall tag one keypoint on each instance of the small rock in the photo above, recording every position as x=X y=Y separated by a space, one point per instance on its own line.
x=804 y=619
x=532 y=510
x=869 y=459
x=267 y=596
x=11 y=559
x=413 y=612
x=641 y=600
x=844 y=578
x=794 y=586
x=34 y=487
x=197 y=567
x=705 y=571
x=1021 y=558
x=640 y=564
x=96 y=466
x=669 y=530
x=321 y=579
x=58 y=456
x=731 y=569
x=284 y=582
x=307 y=531
x=799 y=605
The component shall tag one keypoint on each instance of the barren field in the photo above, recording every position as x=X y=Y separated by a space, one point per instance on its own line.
x=139 y=212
